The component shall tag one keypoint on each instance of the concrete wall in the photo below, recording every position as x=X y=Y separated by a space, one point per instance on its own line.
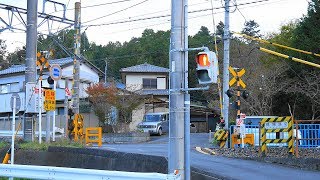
x=99 y=159
x=137 y=117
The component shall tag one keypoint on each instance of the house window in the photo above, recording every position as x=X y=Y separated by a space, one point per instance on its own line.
x=15 y=87
x=149 y=83
x=4 y=88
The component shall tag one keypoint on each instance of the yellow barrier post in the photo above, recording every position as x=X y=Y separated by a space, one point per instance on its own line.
x=97 y=132
x=77 y=130
x=7 y=157
x=221 y=135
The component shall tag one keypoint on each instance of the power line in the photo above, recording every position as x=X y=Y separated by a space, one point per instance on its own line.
x=235 y=3
x=167 y=21
x=167 y=15
x=95 y=5
x=116 y=11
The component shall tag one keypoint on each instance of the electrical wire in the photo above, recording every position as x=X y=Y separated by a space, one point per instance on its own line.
x=167 y=15
x=116 y=12
x=235 y=3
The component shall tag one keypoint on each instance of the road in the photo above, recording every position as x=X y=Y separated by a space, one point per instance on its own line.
x=221 y=167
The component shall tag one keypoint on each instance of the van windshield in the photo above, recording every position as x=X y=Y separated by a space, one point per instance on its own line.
x=152 y=118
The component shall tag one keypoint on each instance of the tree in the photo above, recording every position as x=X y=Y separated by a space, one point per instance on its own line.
x=220 y=29
x=3 y=50
x=251 y=29
x=109 y=100
x=62 y=43
x=18 y=56
x=306 y=35
x=307 y=85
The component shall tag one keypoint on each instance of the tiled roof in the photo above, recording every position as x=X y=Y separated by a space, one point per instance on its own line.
x=145 y=68
x=118 y=85
x=21 y=68
x=154 y=92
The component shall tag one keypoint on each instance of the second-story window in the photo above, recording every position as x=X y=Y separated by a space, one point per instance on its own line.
x=149 y=83
x=4 y=88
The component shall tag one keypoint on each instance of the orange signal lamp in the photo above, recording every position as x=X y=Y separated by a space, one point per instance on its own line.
x=203 y=60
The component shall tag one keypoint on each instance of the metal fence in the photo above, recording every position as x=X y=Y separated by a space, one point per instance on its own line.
x=308 y=135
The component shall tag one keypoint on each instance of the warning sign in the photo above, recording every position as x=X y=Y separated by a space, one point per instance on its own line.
x=50 y=100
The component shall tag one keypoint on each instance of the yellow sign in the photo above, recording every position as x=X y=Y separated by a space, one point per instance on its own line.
x=50 y=100
x=237 y=75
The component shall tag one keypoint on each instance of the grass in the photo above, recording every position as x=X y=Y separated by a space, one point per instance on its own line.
x=44 y=146
x=3 y=144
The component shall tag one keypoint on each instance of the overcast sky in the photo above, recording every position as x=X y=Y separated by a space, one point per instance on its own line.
x=269 y=14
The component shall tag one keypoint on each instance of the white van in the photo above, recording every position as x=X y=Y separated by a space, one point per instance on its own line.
x=155 y=123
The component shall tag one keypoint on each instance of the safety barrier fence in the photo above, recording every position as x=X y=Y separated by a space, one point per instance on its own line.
x=308 y=135
x=50 y=172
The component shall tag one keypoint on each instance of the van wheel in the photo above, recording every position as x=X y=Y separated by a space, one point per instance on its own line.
x=160 y=132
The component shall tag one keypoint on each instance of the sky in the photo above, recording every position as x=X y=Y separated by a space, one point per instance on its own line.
x=138 y=15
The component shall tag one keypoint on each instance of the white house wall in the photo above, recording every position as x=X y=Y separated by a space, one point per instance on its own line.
x=87 y=76
x=134 y=82
x=86 y=73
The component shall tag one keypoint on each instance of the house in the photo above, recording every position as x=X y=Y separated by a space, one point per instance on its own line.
x=152 y=80
x=148 y=80
x=12 y=80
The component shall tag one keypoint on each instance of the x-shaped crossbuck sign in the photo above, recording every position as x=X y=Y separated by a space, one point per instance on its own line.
x=237 y=75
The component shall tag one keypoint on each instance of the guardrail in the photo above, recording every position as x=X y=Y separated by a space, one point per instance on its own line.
x=50 y=172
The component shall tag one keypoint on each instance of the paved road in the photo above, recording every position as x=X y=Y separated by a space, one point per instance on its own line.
x=224 y=168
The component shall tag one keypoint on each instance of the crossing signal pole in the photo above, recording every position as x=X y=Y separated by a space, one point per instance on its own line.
x=178 y=100
x=31 y=71
x=226 y=53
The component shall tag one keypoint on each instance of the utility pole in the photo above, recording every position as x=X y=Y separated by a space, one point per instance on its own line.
x=76 y=59
x=226 y=44
x=105 y=72
x=66 y=106
x=31 y=51
x=186 y=95
x=176 y=95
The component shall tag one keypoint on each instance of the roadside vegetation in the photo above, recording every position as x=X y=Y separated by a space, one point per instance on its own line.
x=3 y=144
x=43 y=146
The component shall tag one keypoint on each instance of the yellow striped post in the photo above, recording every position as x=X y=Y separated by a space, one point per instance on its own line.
x=221 y=135
x=263 y=137
x=290 y=137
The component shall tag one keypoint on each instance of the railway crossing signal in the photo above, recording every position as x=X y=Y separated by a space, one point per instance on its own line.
x=237 y=77
x=207 y=67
